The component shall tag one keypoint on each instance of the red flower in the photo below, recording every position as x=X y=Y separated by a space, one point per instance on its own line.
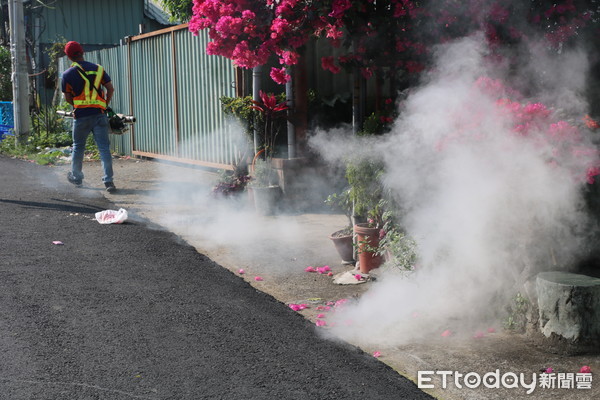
x=268 y=104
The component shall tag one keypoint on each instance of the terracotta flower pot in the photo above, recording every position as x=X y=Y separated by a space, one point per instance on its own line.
x=367 y=238
x=343 y=245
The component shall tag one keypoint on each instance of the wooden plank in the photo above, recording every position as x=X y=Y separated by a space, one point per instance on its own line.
x=159 y=32
x=183 y=160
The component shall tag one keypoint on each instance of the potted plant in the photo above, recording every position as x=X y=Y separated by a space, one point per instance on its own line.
x=266 y=192
x=398 y=250
x=230 y=184
x=366 y=195
x=264 y=184
x=343 y=238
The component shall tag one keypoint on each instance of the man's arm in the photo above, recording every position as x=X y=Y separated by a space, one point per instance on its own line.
x=110 y=90
x=68 y=98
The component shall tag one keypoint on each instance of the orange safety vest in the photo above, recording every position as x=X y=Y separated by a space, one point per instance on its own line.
x=90 y=96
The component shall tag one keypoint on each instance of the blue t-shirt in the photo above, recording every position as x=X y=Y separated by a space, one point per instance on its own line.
x=74 y=84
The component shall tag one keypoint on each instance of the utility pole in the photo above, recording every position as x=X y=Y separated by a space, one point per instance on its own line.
x=19 y=76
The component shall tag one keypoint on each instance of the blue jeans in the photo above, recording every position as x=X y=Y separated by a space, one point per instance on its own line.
x=98 y=125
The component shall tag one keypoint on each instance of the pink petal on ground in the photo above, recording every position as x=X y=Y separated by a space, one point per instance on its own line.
x=491 y=330
x=327 y=308
x=326 y=268
x=330 y=303
x=585 y=370
x=303 y=306
x=258 y=278
x=478 y=335
x=320 y=308
x=321 y=316
x=358 y=277
x=57 y=242
x=310 y=269
x=376 y=354
x=549 y=370
x=447 y=333
x=295 y=307
x=330 y=273
x=320 y=322
x=340 y=302
x=241 y=271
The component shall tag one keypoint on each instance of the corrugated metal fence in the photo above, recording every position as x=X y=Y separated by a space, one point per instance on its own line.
x=173 y=88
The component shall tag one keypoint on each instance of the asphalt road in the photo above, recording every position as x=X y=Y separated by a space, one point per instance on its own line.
x=132 y=312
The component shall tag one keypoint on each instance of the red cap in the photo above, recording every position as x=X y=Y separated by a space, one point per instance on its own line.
x=73 y=49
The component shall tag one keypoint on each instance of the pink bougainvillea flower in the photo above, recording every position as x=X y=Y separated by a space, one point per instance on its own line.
x=328 y=63
x=321 y=316
x=323 y=270
x=367 y=73
x=320 y=322
x=585 y=370
x=320 y=308
x=58 y=242
x=330 y=274
x=591 y=174
x=478 y=335
x=258 y=278
x=330 y=303
x=241 y=271
x=590 y=123
x=549 y=370
x=340 y=302
x=280 y=75
x=288 y=58
x=310 y=269
x=376 y=354
x=447 y=333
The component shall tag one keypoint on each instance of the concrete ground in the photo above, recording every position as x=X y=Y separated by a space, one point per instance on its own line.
x=278 y=249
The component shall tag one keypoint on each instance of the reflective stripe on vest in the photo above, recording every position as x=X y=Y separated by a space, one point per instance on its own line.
x=90 y=97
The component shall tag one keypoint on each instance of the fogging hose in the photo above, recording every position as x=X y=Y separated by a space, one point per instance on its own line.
x=255 y=158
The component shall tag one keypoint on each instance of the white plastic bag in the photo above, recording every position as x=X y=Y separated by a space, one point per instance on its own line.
x=112 y=216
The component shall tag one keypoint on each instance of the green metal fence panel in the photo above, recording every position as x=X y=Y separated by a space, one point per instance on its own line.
x=152 y=85
x=202 y=80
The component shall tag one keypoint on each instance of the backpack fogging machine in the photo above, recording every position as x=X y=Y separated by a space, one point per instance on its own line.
x=118 y=122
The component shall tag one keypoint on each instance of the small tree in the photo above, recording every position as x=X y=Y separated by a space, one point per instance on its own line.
x=179 y=10
x=5 y=72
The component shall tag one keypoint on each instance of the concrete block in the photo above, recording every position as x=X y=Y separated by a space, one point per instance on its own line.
x=569 y=307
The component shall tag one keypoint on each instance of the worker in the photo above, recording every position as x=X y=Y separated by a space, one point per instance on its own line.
x=83 y=86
